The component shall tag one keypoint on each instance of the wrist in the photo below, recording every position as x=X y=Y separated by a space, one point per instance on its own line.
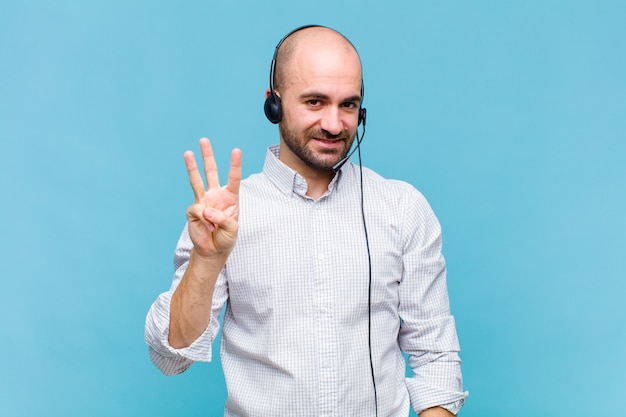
x=213 y=258
x=206 y=265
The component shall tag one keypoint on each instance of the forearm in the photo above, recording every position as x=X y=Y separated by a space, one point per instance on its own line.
x=190 y=309
x=436 y=412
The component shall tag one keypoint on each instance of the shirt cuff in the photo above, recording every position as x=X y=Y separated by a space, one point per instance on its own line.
x=168 y=359
x=454 y=407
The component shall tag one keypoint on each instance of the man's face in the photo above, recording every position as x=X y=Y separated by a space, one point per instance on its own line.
x=320 y=99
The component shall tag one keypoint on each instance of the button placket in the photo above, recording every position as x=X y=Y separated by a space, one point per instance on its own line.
x=326 y=345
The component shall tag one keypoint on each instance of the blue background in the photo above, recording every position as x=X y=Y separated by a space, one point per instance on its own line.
x=509 y=116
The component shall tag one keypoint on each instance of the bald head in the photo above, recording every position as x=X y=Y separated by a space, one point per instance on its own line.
x=308 y=43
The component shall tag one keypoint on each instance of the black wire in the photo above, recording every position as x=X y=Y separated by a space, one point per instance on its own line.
x=369 y=260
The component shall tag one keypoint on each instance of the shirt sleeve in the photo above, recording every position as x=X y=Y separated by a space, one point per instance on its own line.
x=169 y=360
x=428 y=332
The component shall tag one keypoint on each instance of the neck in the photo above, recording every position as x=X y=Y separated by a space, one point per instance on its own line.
x=317 y=185
x=317 y=180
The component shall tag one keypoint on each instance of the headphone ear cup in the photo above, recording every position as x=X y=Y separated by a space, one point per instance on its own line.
x=273 y=108
x=362 y=116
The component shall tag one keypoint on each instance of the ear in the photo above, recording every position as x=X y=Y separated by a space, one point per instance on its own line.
x=268 y=92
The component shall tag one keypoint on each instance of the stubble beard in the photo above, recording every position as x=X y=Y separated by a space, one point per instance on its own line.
x=297 y=144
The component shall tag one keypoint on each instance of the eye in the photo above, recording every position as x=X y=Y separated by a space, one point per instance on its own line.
x=349 y=105
x=314 y=102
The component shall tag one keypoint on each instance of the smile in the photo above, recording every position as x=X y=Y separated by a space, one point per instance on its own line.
x=331 y=143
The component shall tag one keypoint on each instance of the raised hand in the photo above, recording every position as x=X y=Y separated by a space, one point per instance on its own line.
x=213 y=217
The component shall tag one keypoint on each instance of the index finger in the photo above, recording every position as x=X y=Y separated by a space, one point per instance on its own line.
x=195 y=179
x=234 y=174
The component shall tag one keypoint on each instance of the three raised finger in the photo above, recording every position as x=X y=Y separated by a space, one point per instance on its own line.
x=210 y=170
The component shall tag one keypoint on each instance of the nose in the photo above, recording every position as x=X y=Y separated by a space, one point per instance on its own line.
x=331 y=121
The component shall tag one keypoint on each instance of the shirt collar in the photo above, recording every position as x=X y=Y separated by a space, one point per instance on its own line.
x=286 y=179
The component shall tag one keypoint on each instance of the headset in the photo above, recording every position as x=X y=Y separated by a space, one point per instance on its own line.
x=274 y=113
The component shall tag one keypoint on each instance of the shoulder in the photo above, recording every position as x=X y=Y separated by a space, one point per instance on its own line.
x=398 y=201
x=252 y=183
x=392 y=189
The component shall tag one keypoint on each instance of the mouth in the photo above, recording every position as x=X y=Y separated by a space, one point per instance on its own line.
x=328 y=143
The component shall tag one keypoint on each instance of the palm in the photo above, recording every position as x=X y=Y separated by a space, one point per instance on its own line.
x=213 y=216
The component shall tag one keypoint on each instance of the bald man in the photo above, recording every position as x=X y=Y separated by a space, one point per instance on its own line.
x=328 y=271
